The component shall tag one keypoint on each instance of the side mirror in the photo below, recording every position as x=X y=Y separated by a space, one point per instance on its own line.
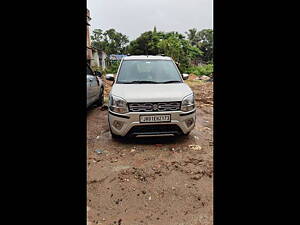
x=185 y=76
x=110 y=77
x=98 y=74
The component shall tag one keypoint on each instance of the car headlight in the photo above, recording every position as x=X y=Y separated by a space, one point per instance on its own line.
x=188 y=103
x=117 y=104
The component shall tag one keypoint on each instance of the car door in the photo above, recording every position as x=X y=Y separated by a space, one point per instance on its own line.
x=94 y=86
x=99 y=85
x=90 y=86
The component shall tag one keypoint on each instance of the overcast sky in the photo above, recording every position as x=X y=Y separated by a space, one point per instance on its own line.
x=133 y=17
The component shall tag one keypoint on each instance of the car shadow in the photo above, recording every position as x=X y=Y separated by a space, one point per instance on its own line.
x=152 y=140
x=93 y=107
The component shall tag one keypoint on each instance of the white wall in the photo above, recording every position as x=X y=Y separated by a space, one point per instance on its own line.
x=95 y=60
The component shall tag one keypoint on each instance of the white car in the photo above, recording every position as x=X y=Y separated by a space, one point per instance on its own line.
x=150 y=98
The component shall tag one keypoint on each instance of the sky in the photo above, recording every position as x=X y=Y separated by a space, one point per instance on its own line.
x=133 y=17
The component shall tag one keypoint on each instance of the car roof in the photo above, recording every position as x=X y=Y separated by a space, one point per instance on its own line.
x=149 y=57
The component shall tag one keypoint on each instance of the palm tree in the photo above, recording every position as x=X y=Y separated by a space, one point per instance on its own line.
x=192 y=36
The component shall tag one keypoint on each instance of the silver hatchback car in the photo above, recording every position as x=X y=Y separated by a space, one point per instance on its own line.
x=94 y=87
x=149 y=98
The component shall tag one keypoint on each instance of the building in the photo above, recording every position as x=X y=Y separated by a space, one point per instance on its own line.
x=99 y=58
x=95 y=61
x=102 y=58
x=95 y=57
x=89 y=51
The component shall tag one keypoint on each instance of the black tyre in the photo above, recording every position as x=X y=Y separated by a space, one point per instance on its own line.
x=100 y=101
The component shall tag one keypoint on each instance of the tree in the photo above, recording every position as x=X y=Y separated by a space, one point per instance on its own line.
x=180 y=49
x=146 y=44
x=110 y=41
x=154 y=29
x=204 y=41
x=192 y=36
x=205 y=44
x=172 y=44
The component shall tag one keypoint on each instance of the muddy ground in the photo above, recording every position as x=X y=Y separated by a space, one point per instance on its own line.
x=152 y=181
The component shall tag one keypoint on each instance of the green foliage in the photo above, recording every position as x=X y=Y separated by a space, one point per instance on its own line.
x=146 y=44
x=198 y=47
x=112 y=67
x=192 y=36
x=110 y=41
x=204 y=41
x=206 y=70
x=97 y=68
x=172 y=44
x=206 y=44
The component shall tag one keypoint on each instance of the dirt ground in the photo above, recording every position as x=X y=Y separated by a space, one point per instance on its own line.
x=152 y=181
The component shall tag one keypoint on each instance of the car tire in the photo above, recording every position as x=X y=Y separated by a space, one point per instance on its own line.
x=100 y=101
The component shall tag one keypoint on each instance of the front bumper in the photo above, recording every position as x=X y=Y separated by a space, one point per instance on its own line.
x=131 y=125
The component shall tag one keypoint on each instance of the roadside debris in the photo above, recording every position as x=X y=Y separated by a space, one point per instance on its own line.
x=99 y=151
x=205 y=78
x=195 y=147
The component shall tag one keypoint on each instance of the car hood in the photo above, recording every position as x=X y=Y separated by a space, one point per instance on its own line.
x=151 y=92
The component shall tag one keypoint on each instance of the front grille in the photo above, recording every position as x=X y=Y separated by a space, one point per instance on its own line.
x=154 y=107
x=155 y=130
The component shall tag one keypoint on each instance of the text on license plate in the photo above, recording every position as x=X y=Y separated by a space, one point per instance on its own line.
x=155 y=118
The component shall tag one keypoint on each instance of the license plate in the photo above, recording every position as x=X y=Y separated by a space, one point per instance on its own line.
x=155 y=118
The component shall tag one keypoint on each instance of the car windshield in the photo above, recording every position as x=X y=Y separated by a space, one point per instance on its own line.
x=148 y=71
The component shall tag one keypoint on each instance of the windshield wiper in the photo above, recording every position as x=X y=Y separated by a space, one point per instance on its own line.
x=171 y=81
x=140 y=82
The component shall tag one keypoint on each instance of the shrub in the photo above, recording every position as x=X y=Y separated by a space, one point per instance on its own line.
x=206 y=70
x=97 y=68
x=112 y=67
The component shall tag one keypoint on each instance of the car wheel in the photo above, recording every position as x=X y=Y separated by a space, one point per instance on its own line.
x=100 y=101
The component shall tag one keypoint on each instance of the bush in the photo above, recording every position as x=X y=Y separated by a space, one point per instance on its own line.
x=97 y=68
x=112 y=67
x=206 y=70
